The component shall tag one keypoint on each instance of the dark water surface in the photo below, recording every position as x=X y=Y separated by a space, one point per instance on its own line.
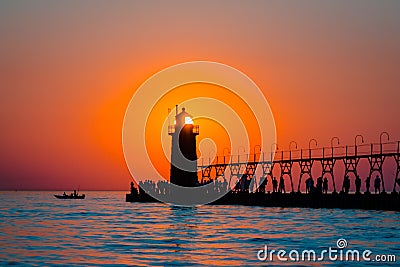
x=39 y=230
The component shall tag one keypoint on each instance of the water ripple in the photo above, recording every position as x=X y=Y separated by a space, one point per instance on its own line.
x=37 y=229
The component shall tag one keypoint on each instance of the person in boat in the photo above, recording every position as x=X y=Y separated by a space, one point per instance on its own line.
x=64 y=194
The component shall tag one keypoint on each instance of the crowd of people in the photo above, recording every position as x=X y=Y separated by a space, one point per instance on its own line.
x=162 y=187
x=357 y=181
x=218 y=185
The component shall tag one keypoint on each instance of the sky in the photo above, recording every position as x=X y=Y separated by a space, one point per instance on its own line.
x=68 y=70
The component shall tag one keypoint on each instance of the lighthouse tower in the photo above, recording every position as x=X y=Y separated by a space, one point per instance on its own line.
x=183 y=151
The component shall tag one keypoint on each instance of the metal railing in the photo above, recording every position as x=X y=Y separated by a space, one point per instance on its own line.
x=336 y=152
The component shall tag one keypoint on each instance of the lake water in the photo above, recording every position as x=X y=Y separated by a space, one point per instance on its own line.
x=37 y=229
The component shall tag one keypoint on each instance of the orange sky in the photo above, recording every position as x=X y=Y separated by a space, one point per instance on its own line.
x=212 y=129
x=68 y=70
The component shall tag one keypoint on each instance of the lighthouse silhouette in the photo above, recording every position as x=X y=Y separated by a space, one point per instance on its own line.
x=183 y=150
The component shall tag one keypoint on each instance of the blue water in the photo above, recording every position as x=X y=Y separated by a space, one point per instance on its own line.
x=37 y=229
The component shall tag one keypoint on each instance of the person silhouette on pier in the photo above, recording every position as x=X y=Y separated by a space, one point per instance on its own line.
x=307 y=182
x=368 y=184
x=358 y=184
x=309 y=185
x=133 y=190
x=263 y=185
x=319 y=184
x=377 y=184
x=274 y=185
x=141 y=190
x=224 y=185
x=282 y=185
x=325 y=185
x=346 y=184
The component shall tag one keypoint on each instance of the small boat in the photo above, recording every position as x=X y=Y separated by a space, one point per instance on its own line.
x=74 y=195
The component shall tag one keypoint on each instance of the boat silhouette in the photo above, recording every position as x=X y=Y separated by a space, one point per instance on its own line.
x=73 y=195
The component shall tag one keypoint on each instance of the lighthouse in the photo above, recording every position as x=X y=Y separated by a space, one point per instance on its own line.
x=183 y=150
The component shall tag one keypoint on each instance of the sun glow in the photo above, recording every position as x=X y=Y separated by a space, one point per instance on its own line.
x=188 y=120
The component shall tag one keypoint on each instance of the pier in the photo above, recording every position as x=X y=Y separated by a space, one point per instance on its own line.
x=242 y=168
x=238 y=173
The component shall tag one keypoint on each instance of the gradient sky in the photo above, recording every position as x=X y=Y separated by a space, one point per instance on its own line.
x=69 y=68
